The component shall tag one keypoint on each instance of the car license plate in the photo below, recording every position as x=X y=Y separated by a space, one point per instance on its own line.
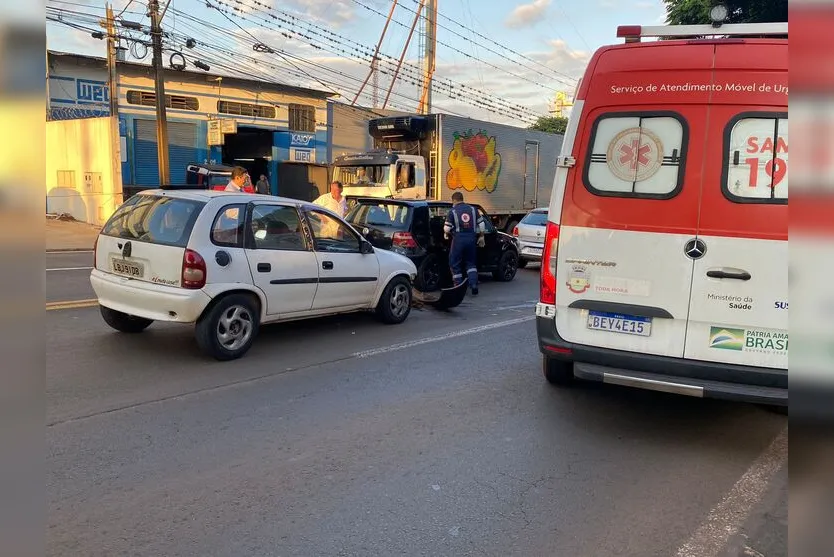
x=619 y=323
x=532 y=251
x=128 y=268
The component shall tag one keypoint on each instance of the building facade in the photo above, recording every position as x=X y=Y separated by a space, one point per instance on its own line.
x=272 y=129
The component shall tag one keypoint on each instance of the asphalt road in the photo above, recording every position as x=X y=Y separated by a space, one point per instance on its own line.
x=346 y=437
x=67 y=276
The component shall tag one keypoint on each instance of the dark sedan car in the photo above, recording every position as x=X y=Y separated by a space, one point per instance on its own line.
x=415 y=229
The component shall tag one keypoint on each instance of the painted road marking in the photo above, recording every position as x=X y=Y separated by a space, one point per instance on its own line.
x=72 y=304
x=472 y=331
x=726 y=518
x=69 y=269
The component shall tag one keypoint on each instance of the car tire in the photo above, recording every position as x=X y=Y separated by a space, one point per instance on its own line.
x=429 y=274
x=395 y=303
x=558 y=372
x=522 y=263
x=507 y=267
x=227 y=329
x=124 y=322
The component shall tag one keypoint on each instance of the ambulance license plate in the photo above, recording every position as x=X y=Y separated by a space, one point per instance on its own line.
x=128 y=268
x=619 y=323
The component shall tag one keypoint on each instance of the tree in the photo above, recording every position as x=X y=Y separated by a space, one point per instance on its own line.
x=550 y=124
x=695 y=12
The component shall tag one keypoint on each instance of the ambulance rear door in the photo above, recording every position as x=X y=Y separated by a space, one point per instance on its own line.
x=739 y=305
x=631 y=203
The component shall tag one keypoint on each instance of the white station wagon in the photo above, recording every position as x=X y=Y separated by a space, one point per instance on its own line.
x=229 y=262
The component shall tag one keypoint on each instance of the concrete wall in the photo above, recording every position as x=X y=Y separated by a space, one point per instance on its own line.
x=348 y=128
x=81 y=177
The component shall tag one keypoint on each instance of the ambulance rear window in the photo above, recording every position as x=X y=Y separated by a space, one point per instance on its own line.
x=756 y=158
x=637 y=154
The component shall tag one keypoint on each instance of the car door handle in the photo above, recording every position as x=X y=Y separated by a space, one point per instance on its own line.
x=327 y=265
x=264 y=267
x=726 y=273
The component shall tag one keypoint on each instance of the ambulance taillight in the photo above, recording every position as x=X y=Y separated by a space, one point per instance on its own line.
x=548 y=273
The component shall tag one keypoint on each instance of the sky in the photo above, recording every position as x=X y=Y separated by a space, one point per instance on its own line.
x=497 y=60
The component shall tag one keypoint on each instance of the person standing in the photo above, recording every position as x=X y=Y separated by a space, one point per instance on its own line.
x=238 y=180
x=467 y=233
x=262 y=187
x=333 y=200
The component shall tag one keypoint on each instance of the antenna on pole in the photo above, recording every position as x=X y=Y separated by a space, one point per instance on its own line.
x=429 y=39
x=375 y=63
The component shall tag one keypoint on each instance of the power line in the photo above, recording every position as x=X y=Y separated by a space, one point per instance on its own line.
x=482 y=99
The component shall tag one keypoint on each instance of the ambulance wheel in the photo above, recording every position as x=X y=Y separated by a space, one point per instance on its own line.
x=557 y=372
x=123 y=322
x=507 y=267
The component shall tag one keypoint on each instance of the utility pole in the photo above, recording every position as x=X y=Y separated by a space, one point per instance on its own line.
x=429 y=56
x=113 y=84
x=113 y=88
x=159 y=79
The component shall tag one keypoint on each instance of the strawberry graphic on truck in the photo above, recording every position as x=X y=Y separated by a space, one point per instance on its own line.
x=473 y=163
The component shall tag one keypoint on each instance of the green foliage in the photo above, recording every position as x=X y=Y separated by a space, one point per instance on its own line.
x=694 y=12
x=550 y=124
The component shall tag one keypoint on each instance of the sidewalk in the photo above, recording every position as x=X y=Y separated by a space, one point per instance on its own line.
x=69 y=235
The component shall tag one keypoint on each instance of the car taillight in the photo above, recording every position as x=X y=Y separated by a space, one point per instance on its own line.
x=548 y=272
x=404 y=240
x=193 y=270
x=515 y=232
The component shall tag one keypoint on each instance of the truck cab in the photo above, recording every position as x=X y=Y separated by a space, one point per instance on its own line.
x=381 y=174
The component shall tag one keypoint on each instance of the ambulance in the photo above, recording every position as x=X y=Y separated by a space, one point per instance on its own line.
x=665 y=264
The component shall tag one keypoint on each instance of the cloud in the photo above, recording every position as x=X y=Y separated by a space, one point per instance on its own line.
x=527 y=15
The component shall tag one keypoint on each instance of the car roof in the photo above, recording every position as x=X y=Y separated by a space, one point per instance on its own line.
x=199 y=194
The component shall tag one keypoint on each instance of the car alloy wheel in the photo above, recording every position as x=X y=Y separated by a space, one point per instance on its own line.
x=234 y=328
x=400 y=300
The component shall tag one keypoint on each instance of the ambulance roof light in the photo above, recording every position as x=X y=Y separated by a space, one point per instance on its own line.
x=633 y=33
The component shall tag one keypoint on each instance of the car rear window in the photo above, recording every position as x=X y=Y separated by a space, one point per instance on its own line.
x=387 y=215
x=154 y=219
x=535 y=219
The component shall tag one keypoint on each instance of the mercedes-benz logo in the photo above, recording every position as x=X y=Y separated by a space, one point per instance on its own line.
x=695 y=248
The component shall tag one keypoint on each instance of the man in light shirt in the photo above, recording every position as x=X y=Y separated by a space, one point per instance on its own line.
x=334 y=200
x=238 y=179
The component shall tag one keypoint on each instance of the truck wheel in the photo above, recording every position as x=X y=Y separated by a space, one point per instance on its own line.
x=558 y=372
x=227 y=329
x=507 y=267
x=395 y=303
x=428 y=275
x=123 y=322
x=510 y=226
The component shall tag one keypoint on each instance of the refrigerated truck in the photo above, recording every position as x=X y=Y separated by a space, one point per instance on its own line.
x=505 y=169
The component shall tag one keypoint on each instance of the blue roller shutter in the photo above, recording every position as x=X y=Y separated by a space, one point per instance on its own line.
x=182 y=151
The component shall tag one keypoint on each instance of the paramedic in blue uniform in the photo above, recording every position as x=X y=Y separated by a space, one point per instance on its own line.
x=467 y=233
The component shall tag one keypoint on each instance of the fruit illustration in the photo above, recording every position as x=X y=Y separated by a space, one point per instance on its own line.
x=473 y=163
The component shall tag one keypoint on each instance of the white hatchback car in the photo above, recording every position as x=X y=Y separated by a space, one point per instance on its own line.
x=230 y=262
x=530 y=233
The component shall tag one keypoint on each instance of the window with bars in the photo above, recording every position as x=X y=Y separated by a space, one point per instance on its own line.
x=302 y=118
x=179 y=102
x=246 y=109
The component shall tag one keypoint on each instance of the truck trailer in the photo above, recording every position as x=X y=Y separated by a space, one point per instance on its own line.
x=506 y=170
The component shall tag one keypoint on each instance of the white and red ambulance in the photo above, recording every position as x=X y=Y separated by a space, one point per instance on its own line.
x=665 y=264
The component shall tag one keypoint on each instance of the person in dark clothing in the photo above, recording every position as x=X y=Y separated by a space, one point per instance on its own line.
x=262 y=186
x=467 y=233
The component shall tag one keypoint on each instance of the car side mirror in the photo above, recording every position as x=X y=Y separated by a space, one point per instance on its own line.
x=366 y=248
